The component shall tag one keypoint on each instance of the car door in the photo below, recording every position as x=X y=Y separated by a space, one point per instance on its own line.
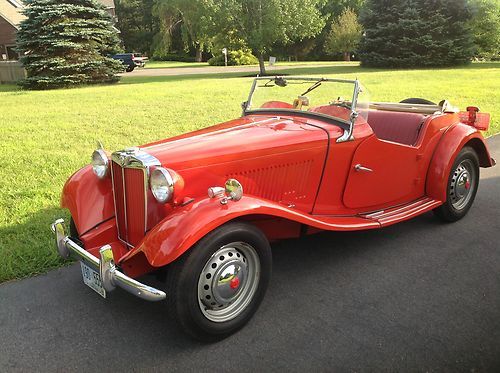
x=382 y=173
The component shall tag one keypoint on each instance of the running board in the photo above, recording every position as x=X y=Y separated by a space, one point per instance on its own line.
x=396 y=214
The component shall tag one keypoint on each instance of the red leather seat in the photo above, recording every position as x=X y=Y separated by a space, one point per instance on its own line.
x=396 y=126
x=276 y=105
x=332 y=110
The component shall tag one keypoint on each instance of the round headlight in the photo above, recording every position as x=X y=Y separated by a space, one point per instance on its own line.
x=162 y=185
x=100 y=163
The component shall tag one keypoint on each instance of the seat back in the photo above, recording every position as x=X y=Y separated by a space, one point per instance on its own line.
x=396 y=126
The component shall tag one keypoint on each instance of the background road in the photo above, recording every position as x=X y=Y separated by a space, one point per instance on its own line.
x=252 y=70
x=418 y=296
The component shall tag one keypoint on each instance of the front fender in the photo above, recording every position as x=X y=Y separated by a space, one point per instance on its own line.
x=453 y=140
x=187 y=225
x=89 y=199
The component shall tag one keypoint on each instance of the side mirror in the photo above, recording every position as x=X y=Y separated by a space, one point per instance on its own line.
x=234 y=189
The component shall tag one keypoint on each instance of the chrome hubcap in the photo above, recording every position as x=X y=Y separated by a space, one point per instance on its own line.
x=228 y=281
x=462 y=184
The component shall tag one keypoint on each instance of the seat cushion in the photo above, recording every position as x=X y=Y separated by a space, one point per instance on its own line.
x=333 y=111
x=396 y=126
x=276 y=105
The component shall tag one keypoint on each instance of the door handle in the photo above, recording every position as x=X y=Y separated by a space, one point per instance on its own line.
x=359 y=168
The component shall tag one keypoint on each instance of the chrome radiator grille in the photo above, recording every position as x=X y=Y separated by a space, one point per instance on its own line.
x=129 y=170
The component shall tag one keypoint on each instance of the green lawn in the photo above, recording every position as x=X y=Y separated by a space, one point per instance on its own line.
x=45 y=136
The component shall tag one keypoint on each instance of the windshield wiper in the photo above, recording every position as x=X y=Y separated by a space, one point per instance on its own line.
x=313 y=87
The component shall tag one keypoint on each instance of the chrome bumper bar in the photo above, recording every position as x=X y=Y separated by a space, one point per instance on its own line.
x=111 y=277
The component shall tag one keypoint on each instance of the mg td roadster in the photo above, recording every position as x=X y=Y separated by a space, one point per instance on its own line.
x=307 y=155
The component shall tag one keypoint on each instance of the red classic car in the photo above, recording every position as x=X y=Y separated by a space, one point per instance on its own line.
x=307 y=155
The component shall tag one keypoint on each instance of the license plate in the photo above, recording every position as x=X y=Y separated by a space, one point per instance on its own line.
x=92 y=279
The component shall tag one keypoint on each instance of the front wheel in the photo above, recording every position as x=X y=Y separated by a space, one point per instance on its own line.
x=217 y=286
x=463 y=183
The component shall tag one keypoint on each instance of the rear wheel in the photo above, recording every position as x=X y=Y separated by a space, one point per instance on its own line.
x=463 y=183
x=217 y=286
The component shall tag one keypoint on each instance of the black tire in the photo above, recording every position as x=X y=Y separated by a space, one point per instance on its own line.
x=452 y=210
x=417 y=101
x=129 y=69
x=185 y=280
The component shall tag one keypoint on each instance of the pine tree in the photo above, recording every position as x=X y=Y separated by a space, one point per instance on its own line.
x=411 y=33
x=65 y=43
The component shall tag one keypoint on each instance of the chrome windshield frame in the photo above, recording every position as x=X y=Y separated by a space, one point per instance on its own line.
x=348 y=133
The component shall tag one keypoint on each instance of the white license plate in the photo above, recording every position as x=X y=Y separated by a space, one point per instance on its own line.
x=92 y=279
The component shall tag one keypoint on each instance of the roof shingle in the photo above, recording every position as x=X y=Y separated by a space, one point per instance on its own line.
x=14 y=16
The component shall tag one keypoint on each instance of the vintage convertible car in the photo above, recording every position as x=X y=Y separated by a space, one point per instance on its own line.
x=307 y=155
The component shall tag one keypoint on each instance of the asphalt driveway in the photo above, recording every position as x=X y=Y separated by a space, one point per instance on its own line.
x=418 y=296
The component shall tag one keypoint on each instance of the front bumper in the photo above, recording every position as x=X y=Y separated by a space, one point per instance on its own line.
x=111 y=277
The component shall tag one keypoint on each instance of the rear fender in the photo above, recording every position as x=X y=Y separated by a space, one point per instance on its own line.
x=88 y=198
x=453 y=140
x=188 y=224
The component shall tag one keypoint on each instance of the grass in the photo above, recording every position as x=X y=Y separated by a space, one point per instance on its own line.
x=45 y=136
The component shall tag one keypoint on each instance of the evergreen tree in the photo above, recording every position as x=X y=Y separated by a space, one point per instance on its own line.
x=411 y=33
x=66 y=42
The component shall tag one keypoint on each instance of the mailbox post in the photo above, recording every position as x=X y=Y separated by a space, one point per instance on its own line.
x=224 y=51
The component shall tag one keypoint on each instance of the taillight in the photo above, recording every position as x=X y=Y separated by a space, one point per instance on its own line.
x=474 y=118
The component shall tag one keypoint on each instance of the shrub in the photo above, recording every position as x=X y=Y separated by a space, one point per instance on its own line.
x=172 y=57
x=235 y=58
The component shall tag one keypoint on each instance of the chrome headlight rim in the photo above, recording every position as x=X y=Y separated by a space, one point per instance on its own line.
x=161 y=184
x=100 y=163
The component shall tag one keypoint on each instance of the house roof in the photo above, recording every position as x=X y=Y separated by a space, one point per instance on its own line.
x=13 y=15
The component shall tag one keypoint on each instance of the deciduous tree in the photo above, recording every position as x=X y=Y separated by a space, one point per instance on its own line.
x=137 y=24
x=262 y=23
x=485 y=26
x=345 y=34
x=196 y=18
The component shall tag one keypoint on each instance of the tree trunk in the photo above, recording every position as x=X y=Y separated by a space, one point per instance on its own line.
x=347 y=56
x=261 y=65
x=199 y=56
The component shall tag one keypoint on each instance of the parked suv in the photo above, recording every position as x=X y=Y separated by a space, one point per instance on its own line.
x=127 y=60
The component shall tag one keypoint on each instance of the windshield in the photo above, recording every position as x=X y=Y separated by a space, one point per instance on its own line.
x=334 y=98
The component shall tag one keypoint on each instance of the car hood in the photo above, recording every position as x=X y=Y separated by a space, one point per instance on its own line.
x=243 y=138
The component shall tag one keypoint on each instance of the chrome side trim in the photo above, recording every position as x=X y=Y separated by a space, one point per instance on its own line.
x=111 y=277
